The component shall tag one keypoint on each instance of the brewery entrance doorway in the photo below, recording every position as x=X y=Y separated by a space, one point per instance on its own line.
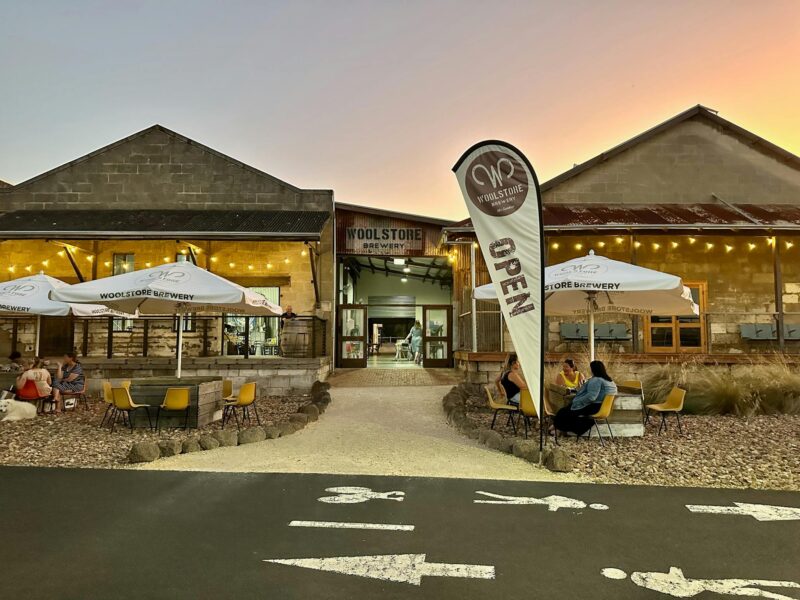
x=395 y=336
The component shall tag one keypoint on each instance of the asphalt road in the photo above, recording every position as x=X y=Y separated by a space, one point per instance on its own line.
x=85 y=534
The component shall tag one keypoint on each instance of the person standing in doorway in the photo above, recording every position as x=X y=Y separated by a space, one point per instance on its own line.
x=288 y=314
x=415 y=338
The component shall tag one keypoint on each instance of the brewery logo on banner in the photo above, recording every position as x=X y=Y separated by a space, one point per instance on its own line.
x=497 y=183
x=383 y=240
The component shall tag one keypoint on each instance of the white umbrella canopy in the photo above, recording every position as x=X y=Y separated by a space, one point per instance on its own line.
x=174 y=288
x=593 y=284
x=31 y=296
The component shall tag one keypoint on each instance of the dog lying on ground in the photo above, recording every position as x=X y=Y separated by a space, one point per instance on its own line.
x=14 y=410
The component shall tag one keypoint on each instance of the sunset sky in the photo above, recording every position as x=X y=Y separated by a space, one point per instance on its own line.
x=377 y=100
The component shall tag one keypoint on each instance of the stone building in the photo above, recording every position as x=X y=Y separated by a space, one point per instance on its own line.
x=152 y=198
x=696 y=196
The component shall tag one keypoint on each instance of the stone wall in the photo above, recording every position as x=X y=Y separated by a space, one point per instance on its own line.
x=684 y=164
x=276 y=376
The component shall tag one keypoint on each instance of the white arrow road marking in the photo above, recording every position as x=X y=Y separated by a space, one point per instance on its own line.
x=676 y=584
x=402 y=568
x=760 y=512
x=343 y=525
x=553 y=503
x=354 y=495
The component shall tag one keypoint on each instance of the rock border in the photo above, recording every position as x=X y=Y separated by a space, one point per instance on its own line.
x=454 y=405
x=149 y=451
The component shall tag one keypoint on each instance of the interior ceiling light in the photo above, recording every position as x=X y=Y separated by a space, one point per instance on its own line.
x=404 y=279
x=406 y=270
x=399 y=261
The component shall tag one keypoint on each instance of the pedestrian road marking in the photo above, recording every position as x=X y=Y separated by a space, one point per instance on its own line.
x=401 y=568
x=553 y=503
x=355 y=495
x=676 y=584
x=760 y=512
x=343 y=525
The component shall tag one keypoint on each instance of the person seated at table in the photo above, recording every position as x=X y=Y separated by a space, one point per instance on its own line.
x=569 y=376
x=35 y=381
x=69 y=378
x=587 y=401
x=511 y=381
x=15 y=362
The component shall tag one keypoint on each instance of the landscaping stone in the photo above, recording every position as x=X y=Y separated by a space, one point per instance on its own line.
x=251 y=435
x=558 y=460
x=310 y=410
x=272 y=432
x=226 y=437
x=498 y=442
x=319 y=387
x=526 y=449
x=170 y=447
x=492 y=439
x=208 y=442
x=287 y=428
x=299 y=418
x=324 y=398
x=191 y=445
x=144 y=452
x=321 y=407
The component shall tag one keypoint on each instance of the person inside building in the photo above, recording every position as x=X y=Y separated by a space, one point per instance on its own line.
x=569 y=376
x=574 y=418
x=511 y=380
x=288 y=314
x=414 y=337
x=69 y=379
x=15 y=362
x=35 y=381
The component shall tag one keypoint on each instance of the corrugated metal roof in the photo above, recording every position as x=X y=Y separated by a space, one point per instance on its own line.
x=152 y=223
x=734 y=216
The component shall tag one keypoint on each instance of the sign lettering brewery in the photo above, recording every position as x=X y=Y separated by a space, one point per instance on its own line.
x=383 y=240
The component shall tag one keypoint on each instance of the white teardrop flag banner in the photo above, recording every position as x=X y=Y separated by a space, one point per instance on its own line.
x=502 y=195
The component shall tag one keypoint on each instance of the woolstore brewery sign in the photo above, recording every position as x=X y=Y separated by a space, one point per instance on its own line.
x=383 y=240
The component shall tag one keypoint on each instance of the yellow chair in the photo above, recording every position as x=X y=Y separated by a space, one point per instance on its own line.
x=176 y=399
x=227 y=390
x=527 y=408
x=499 y=406
x=672 y=404
x=108 y=397
x=243 y=400
x=602 y=415
x=124 y=405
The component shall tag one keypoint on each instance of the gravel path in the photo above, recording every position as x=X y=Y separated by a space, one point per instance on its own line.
x=371 y=431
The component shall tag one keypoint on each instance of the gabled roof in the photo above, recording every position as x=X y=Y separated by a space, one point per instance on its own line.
x=699 y=110
x=141 y=133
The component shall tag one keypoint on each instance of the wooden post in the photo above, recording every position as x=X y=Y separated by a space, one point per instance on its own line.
x=145 y=336
x=634 y=319
x=205 y=337
x=14 y=333
x=311 y=253
x=110 y=345
x=246 y=336
x=778 y=277
x=75 y=268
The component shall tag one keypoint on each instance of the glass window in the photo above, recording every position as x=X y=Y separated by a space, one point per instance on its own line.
x=262 y=333
x=661 y=337
x=436 y=326
x=690 y=337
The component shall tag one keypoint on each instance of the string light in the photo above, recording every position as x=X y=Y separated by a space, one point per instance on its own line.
x=709 y=245
x=554 y=245
x=771 y=241
x=692 y=240
x=728 y=248
x=751 y=245
x=61 y=253
x=619 y=240
x=12 y=268
x=789 y=244
x=656 y=245
x=90 y=258
x=29 y=268
x=674 y=244
x=286 y=260
x=249 y=267
x=184 y=251
x=45 y=263
x=578 y=246
x=303 y=253
x=601 y=244
x=637 y=244
x=451 y=258
x=148 y=264
x=124 y=266
x=231 y=264
x=269 y=265
x=107 y=263
x=166 y=259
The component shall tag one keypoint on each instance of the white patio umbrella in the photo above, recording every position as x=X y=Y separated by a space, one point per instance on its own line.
x=174 y=289
x=595 y=284
x=31 y=296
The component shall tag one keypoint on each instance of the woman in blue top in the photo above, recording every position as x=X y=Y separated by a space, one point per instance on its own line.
x=586 y=402
x=69 y=379
x=415 y=336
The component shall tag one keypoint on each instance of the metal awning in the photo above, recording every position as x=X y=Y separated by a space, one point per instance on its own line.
x=287 y=225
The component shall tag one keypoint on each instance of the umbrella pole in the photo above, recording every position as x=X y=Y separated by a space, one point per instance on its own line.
x=38 y=334
x=591 y=332
x=180 y=344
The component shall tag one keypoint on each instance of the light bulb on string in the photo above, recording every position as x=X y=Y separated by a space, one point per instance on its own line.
x=728 y=248
x=61 y=253
x=637 y=244
x=249 y=267
x=12 y=268
x=90 y=258
x=231 y=264
x=148 y=264
x=601 y=244
x=269 y=265
x=166 y=259
x=213 y=259
x=45 y=263
x=656 y=245
x=107 y=263
x=674 y=244
x=619 y=240
x=751 y=246
x=29 y=268
x=554 y=245
x=578 y=246
x=303 y=253
x=788 y=244
x=692 y=240
x=709 y=245
x=286 y=260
